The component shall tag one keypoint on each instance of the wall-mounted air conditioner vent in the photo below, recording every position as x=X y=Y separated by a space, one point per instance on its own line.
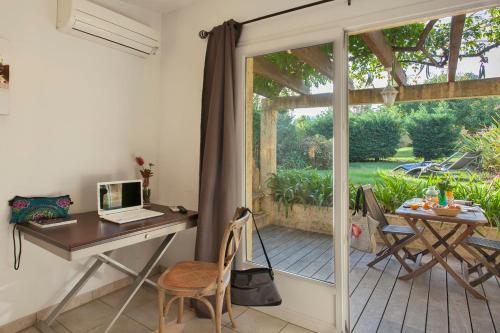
x=88 y=20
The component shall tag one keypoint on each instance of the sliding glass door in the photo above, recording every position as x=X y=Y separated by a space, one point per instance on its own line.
x=290 y=142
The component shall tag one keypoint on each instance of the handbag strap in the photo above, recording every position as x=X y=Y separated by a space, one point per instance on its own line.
x=260 y=239
x=360 y=195
x=17 y=257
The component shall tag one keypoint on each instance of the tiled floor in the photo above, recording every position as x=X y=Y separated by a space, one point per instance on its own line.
x=141 y=316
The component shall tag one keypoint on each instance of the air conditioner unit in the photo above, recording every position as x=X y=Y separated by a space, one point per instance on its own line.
x=90 y=21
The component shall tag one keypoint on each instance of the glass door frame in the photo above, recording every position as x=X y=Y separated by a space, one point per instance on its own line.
x=337 y=36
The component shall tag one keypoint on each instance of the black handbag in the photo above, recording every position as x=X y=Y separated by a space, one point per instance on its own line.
x=255 y=286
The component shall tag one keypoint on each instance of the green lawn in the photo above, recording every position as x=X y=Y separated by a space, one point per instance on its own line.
x=366 y=172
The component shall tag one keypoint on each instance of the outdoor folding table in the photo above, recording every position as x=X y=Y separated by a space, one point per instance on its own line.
x=470 y=219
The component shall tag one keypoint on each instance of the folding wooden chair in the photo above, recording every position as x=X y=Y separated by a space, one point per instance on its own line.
x=490 y=260
x=396 y=238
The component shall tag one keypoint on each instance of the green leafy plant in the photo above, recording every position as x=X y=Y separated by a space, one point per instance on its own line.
x=315 y=188
x=433 y=134
x=307 y=187
x=487 y=142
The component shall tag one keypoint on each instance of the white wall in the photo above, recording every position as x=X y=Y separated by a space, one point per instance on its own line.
x=79 y=112
x=182 y=75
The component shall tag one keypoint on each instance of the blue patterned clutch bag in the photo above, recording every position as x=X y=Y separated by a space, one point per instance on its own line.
x=39 y=208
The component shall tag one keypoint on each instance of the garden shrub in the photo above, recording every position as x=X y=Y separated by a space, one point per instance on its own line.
x=311 y=187
x=487 y=142
x=433 y=134
x=373 y=135
x=319 y=151
x=307 y=187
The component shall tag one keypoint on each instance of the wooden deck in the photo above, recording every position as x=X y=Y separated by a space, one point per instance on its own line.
x=380 y=302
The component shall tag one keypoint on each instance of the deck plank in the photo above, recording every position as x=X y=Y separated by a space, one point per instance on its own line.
x=305 y=261
x=294 y=257
x=437 y=313
x=372 y=313
x=359 y=271
x=492 y=292
x=364 y=290
x=416 y=312
x=458 y=311
x=395 y=311
x=480 y=316
x=317 y=263
x=380 y=302
x=298 y=246
x=277 y=245
x=275 y=240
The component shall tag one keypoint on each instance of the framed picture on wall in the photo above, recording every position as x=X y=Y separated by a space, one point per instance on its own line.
x=5 y=69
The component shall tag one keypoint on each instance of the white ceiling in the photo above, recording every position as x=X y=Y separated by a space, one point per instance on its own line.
x=161 y=5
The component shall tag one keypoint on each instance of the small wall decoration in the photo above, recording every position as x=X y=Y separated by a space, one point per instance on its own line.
x=4 y=75
x=4 y=87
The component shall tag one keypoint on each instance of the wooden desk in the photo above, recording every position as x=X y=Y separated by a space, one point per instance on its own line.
x=471 y=220
x=93 y=237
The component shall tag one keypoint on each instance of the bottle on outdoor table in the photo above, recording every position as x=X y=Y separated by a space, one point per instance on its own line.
x=431 y=195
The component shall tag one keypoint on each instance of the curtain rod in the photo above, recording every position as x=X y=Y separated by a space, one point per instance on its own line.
x=204 y=34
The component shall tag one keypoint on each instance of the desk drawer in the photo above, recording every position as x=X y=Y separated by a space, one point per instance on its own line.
x=129 y=239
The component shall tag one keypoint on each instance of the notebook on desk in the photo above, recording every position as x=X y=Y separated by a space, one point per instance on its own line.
x=122 y=202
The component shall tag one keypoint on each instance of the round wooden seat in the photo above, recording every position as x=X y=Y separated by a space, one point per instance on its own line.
x=193 y=275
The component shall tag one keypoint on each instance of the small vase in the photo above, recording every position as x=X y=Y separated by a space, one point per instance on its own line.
x=442 y=198
x=146 y=193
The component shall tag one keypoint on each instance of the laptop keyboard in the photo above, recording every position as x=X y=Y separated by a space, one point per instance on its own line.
x=132 y=215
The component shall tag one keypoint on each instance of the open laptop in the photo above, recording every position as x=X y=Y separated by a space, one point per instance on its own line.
x=122 y=202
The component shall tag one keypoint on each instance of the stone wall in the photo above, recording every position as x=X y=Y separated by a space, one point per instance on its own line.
x=319 y=219
x=305 y=217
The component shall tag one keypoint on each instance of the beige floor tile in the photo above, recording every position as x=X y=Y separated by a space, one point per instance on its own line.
x=290 y=328
x=147 y=314
x=57 y=327
x=86 y=317
x=123 y=325
x=196 y=325
x=237 y=311
x=30 y=330
x=143 y=296
x=252 y=321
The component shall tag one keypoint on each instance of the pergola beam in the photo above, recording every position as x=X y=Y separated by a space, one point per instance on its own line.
x=457 y=30
x=316 y=58
x=377 y=43
x=271 y=71
x=423 y=92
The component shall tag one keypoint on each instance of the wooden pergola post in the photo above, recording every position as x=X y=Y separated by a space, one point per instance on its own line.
x=268 y=145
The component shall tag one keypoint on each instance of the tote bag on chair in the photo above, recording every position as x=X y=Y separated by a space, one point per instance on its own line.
x=255 y=286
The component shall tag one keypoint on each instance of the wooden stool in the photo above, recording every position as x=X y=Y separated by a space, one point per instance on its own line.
x=198 y=279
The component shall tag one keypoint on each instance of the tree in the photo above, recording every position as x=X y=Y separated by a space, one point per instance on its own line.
x=481 y=34
x=373 y=135
x=321 y=124
x=433 y=134
x=290 y=153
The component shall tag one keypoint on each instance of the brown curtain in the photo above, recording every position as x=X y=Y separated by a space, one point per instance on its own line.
x=217 y=182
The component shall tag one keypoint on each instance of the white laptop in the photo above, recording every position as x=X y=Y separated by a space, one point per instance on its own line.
x=122 y=202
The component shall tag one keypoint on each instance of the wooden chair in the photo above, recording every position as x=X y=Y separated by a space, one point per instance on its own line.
x=198 y=279
x=490 y=252
x=395 y=237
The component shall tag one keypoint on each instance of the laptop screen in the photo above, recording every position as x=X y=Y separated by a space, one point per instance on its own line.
x=120 y=195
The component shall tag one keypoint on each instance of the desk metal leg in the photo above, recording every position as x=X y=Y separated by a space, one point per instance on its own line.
x=124 y=269
x=141 y=277
x=44 y=325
